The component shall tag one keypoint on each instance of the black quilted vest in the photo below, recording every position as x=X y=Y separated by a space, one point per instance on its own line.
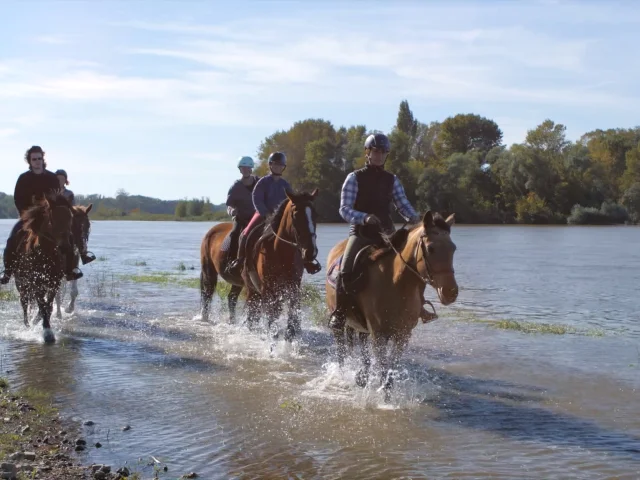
x=375 y=196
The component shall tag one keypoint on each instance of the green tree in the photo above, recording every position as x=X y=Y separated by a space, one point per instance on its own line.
x=465 y=132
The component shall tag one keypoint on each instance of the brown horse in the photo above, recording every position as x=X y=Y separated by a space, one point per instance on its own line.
x=389 y=306
x=213 y=262
x=39 y=269
x=287 y=244
x=81 y=230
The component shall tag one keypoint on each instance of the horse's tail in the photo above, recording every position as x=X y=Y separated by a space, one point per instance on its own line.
x=208 y=278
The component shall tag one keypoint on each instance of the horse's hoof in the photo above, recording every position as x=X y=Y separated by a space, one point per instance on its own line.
x=69 y=309
x=48 y=335
x=58 y=315
x=362 y=378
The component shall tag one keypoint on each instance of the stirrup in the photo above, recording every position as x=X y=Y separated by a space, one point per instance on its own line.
x=87 y=257
x=312 y=267
x=74 y=274
x=338 y=320
x=4 y=279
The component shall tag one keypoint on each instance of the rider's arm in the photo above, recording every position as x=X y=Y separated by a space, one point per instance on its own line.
x=348 y=200
x=231 y=209
x=21 y=195
x=401 y=202
x=258 y=195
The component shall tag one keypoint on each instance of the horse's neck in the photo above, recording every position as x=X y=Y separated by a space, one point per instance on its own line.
x=402 y=274
x=285 y=232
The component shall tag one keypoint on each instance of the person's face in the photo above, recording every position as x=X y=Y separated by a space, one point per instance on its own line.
x=62 y=180
x=245 y=171
x=277 y=168
x=36 y=160
x=377 y=156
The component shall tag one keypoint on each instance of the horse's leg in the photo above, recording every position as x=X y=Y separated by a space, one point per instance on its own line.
x=208 y=282
x=362 y=377
x=399 y=345
x=341 y=345
x=24 y=301
x=272 y=307
x=234 y=293
x=379 y=345
x=73 y=296
x=253 y=308
x=45 y=305
x=59 y=296
x=293 y=319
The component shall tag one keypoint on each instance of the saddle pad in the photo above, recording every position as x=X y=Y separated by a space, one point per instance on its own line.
x=226 y=243
x=332 y=273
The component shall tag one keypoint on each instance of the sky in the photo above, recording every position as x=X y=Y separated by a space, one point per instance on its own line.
x=161 y=98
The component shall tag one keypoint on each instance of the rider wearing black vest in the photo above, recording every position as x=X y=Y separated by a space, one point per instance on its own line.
x=33 y=185
x=365 y=202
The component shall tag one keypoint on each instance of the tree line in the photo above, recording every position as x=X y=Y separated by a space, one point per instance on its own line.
x=461 y=165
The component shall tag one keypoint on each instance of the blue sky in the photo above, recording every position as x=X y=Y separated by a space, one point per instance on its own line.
x=161 y=98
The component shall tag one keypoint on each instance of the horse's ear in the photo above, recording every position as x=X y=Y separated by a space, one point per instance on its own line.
x=427 y=220
x=451 y=219
x=314 y=193
x=88 y=209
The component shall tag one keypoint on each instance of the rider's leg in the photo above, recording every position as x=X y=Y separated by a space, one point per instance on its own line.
x=354 y=244
x=71 y=272
x=9 y=256
x=236 y=266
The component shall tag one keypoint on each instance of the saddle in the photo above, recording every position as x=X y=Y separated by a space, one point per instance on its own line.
x=365 y=257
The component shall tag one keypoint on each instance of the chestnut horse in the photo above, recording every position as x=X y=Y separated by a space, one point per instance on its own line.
x=288 y=240
x=81 y=230
x=389 y=306
x=39 y=269
x=274 y=277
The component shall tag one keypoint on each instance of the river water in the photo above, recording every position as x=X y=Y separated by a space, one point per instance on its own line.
x=475 y=400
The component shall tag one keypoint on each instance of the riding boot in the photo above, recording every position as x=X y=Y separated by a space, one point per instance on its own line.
x=339 y=315
x=8 y=259
x=234 y=268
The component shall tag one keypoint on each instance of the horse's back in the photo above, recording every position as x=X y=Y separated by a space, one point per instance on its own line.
x=336 y=251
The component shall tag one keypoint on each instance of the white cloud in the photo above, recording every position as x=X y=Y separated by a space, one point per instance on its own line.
x=7 y=132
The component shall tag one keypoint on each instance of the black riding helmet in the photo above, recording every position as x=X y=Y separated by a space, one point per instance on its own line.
x=279 y=158
x=378 y=140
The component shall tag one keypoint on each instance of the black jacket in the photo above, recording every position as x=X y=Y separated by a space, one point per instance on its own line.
x=32 y=186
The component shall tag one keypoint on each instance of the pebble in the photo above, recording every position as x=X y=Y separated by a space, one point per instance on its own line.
x=89 y=423
x=81 y=441
x=190 y=475
x=31 y=456
x=25 y=429
x=98 y=444
x=126 y=427
x=124 y=471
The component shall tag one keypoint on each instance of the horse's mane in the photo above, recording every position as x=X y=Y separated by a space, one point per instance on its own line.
x=272 y=222
x=398 y=239
x=36 y=218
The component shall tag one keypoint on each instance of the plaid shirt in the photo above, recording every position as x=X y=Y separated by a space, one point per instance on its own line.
x=350 y=192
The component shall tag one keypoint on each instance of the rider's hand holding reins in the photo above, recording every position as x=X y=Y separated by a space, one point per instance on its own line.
x=372 y=220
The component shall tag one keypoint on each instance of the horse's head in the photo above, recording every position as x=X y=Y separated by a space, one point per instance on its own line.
x=50 y=218
x=81 y=226
x=302 y=216
x=437 y=250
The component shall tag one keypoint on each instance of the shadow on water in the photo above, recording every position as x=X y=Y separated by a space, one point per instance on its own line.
x=481 y=404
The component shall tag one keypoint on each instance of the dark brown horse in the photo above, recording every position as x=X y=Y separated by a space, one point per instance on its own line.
x=81 y=231
x=39 y=269
x=389 y=305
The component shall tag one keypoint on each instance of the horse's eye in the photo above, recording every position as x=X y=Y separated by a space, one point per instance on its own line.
x=430 y=249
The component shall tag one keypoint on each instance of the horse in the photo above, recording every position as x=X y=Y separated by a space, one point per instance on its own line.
x=81 y=231
x=47 y=226
x=388 y=302
x=214 y=257
x=275 y=261
x=288 y=239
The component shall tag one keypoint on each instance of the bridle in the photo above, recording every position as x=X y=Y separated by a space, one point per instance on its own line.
x=296 y=244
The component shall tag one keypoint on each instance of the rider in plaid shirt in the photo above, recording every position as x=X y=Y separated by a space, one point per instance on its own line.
x=365 y=201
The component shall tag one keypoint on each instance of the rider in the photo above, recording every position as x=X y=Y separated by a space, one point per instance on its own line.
x=85 y=255
x=365 y=201
x=32 y=185
x=269 y=192
x=239 y=202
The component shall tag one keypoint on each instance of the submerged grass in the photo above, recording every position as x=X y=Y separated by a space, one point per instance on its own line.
x=524 y=326
x=8 y=295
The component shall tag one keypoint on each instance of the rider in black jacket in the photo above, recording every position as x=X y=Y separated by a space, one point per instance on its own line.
x=32 y=185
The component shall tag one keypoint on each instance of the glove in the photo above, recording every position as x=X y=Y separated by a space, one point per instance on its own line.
x=371 y=220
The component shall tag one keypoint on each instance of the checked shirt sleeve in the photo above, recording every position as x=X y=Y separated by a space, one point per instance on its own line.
x=348 y=200
x=401 y=202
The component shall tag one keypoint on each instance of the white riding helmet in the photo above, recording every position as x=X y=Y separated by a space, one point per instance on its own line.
x=245 y=162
